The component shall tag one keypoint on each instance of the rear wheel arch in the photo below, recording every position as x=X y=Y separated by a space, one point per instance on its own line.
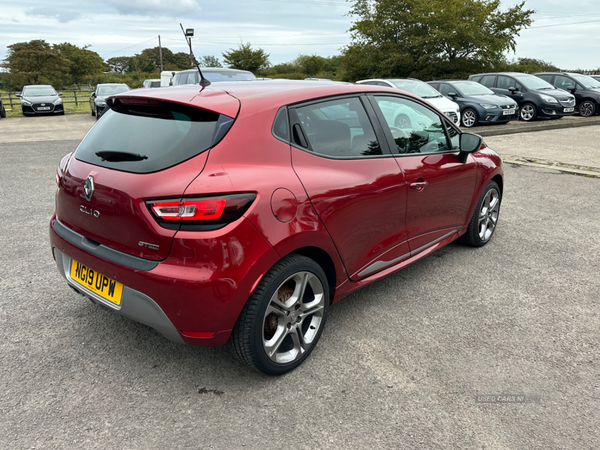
x=322 y=258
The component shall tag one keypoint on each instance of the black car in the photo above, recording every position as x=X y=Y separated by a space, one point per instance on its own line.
x=585 y=89
x=535 y=97
x=98 y=97
x=477 y=103
x=40 y=99
x=2 y=110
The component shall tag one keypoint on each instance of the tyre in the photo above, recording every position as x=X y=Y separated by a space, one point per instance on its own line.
x=485 y=217
x=528 y=112
x=282 y=321
x=469 y=118
x=93 y=112
x=587 y=108
x=97 y=115
x=402 y=121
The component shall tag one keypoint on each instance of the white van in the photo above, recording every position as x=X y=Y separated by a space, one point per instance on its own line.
x=166 y=77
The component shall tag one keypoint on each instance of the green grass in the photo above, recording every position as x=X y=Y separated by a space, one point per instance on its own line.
x=82 y=106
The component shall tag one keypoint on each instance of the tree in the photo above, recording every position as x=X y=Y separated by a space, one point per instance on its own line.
x=140 y=63
x=35 y=62
x=247 y=59
x=310 y=65
x=118 y=63
x=84 y=62
x=531 y=65
x=210 y=61
x=181 y=61
x=428 y=37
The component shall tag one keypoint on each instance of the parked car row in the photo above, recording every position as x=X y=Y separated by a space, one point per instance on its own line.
x=486 y=98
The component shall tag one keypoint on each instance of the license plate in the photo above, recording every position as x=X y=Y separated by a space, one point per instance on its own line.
x=43 y=108
x=569 y=109
x=508 y=112
x=106 y=288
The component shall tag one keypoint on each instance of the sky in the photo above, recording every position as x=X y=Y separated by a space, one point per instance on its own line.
x=563 y=33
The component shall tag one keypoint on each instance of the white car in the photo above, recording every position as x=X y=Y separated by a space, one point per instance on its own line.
x=420 y=89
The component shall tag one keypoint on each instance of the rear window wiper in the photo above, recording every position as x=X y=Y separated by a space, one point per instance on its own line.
x=116 y=156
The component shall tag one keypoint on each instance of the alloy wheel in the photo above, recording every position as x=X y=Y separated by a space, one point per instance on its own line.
x=293 y=317
x=488 y=215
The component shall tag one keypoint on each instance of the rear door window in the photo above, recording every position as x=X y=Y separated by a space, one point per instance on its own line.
x=144 y=138
x=339 y=128
x=488 y=80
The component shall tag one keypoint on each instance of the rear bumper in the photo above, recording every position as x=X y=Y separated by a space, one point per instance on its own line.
x=134 y=304
x=195 y=295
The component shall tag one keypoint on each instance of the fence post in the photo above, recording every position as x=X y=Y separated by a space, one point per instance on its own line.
x=75 y=95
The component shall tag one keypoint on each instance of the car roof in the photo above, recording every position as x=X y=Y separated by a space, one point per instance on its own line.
x=38 y=85
x=225 y=97
x=112 y=84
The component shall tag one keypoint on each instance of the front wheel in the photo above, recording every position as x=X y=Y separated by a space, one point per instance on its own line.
x=485 y=218
x=528 y=112
x=469 y=118
x=282 y=321
x=587 y=108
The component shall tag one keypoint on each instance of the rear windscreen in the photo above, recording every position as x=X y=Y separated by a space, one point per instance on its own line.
x=148 y=136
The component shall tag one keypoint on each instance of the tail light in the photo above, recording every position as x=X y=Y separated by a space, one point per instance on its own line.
x=206 y=213
x=62 y=168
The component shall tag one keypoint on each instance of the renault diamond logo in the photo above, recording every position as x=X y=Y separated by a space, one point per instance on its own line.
x=88 y=187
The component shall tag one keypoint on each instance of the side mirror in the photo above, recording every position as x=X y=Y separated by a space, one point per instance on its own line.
x=18 y=95
x=469 y=143
x=453 y=95
x=60 y=94
x=93 y=95
x=512 y=89
x=571 y=89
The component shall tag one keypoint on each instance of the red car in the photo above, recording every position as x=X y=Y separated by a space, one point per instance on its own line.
x=240 y=213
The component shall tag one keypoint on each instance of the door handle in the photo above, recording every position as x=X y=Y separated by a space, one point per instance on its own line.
x=419 y=185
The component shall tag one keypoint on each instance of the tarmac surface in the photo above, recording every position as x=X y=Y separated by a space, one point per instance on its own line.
x=490 y=348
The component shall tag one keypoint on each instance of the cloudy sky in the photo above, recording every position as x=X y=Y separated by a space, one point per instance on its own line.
x=564 y=33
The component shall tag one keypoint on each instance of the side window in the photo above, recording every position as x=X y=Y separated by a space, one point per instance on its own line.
x=192 y=78
x=545 y=77
x=280 y=125
x=505 y=82
x=445 y=89
x=414 y=127
x=488 y=80
x=339 y=128
x=563 y=82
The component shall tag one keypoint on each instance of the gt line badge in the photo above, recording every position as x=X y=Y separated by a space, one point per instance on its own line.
x=88 y=187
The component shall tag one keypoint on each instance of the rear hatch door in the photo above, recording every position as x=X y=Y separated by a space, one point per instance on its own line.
x=142 y=149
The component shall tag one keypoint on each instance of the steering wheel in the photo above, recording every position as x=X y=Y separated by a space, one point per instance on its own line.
x=398 y=133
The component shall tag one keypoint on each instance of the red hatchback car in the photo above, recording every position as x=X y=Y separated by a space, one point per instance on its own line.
x=239 y=213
